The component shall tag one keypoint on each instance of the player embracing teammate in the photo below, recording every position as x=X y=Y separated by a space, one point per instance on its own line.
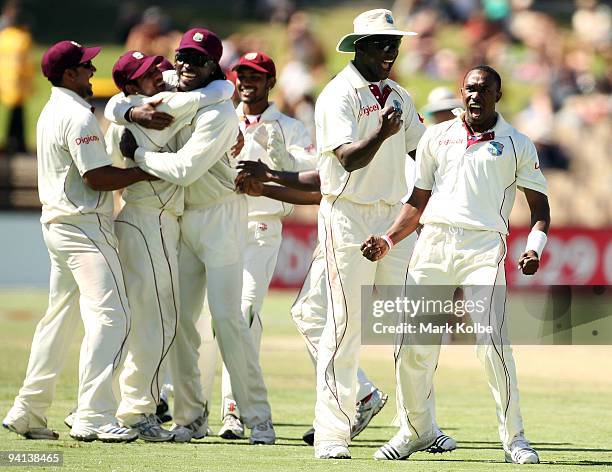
x=183 y=215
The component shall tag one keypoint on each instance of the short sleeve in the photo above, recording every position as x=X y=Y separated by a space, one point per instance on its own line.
x=425 y=163
x=413 y=126
x=302 y=148
x=528 y=172
x=336 y=120
x=112 y=138
x=86 y=143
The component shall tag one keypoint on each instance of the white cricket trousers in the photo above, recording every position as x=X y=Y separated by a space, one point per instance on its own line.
x=343 y=227
x=263 y=240
x=148 y=249
x=450 y=256
x=86 y=274
x=211 y=260
x=309 y=312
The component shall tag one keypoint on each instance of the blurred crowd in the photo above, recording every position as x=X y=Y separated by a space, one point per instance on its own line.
x=569 y=112
x=562 y=56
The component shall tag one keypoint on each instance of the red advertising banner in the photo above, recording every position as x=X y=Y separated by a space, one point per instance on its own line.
x=573 y=256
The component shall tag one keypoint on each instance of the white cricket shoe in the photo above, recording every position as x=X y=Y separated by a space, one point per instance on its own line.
x=521 y=452
x=232 y=428
x=399 y=449
x=111 y=433
x=332 y=451
x=366 y=410
x=443 y=443
x=197 y=429
x=18 y=423
x=150 y=430
x=263 y=433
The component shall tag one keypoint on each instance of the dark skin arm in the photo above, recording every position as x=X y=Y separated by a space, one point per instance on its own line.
x=109 y=178
x=237 y=147
x=308 y=181
x=529 y=262
x=375 y=248
x=146 y=116
x=255 y=188
x=356 y=155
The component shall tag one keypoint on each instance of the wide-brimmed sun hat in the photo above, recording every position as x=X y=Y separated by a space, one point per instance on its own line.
x=370 y=23
x=441 y=99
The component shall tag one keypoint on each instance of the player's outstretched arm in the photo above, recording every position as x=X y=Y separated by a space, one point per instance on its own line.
x=308 y=181
x=358 y=154
x=109 y=178
x=529 y=262
x=377 y=247
x=255 y=188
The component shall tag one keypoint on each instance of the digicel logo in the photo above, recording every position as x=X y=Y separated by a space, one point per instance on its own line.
x=369 y=109
x=86 y=139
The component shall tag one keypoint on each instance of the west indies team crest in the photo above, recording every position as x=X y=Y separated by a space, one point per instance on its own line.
x=495 y=148
x=398 y=106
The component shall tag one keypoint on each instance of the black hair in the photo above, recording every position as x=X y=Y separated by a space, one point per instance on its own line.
x=489 y=70
x=56 y=81
x=217 y=74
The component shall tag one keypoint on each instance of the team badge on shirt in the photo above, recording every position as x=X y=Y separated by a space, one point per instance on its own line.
x=495 y=148
x=398 y=106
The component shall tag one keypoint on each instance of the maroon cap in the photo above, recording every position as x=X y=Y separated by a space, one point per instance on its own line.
x=204 y=41
x=165 y=65
x=257 y=61
x=64 y=55
x=132 y=65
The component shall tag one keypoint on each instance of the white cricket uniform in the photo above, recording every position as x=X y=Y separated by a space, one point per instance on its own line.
x=213 y=226
x=309 y=312
x=148 y=231
x=355 y=205
x=86 y=276
x=263 y=237
x=463 y=242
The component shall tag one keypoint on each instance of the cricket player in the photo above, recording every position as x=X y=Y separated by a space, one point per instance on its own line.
x=283 y=143
x=467 y=173
x=213 y=226
x=309 y=311
x=75 y=179
x=148 y=232
x=366 y=125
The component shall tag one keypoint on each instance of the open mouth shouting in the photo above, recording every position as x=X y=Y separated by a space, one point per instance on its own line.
x=475 y=109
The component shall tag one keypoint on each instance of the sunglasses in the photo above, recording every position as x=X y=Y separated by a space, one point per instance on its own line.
x=384 y=45
x=86 y=65
x=192 y=58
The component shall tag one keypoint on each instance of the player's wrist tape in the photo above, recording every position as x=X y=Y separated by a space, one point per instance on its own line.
x=388 y=240
x=536 y=241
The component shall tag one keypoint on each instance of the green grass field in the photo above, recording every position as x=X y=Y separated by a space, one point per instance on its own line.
x=566 y=395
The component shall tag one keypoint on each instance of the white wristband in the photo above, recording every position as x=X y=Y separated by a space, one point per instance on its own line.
x=388 y=240
x=536 y=241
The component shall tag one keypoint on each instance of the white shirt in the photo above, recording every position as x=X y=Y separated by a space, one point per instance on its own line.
x=474 y=187
x=199 y=159
x=69 y=143
x=197 y=153
x=216 y=91
x=158 y=194
x=347 y=111
x=301 y=154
